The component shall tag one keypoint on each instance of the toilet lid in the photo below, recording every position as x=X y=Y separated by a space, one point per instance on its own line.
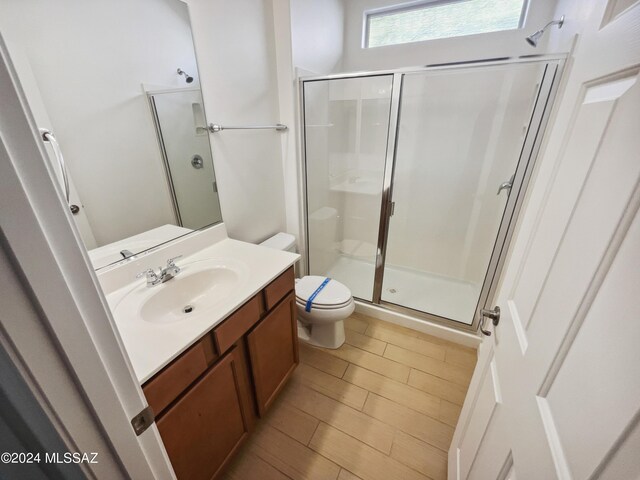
x=334 y=293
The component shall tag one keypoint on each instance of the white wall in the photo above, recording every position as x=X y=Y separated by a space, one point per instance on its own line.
x=317 y=35
x=308 y=38
x=236 y=50
x=490 y=45
x=122 y=183
x=289 y=115
x=91 y=87
x=41 y=117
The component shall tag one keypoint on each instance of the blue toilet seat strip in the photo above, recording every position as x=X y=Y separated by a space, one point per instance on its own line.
x=307 y=307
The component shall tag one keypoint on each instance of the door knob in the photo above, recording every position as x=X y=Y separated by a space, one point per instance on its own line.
x=494 y=315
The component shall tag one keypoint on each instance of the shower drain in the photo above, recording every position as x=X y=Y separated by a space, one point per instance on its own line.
x=187 y=309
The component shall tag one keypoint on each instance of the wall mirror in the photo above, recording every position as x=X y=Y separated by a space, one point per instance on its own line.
x=116 y=84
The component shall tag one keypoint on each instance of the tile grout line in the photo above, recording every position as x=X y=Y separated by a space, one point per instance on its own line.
x=257 y=454
x=446 y=452
x=345 y=372
x=314 y=431
x=395 y=429
x=413 y=351
x=357 y=440
x=334 y=426
x=400 y=404
x=407 y=465
x=439 y=398
x=368 y=351
x=272 y=466
x=365 y=351
x=445 y=364
x=414 y=334
x=323 y=456
x=364 y=403
x=387 y=455
x=390 y=379
x=299 y=443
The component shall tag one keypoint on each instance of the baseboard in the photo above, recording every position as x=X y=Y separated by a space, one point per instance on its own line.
x=440 y=331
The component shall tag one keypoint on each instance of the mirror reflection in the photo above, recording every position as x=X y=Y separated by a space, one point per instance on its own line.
x=125 y=114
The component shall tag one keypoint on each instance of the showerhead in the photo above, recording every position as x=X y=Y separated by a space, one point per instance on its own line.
x=187 y=77
x=534 y=37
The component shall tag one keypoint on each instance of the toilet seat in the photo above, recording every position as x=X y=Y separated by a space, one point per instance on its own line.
x=330 y=318
x=303 y=304
x=333 y=296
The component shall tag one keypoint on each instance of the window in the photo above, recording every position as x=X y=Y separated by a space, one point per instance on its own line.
x=440 y=19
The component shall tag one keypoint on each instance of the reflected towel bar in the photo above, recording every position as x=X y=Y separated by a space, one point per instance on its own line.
x=47 y=136
x=218 y=128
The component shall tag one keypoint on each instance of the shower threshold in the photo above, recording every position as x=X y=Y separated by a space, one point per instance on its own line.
x=413 y=289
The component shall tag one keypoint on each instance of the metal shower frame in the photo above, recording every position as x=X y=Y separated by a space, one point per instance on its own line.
x=533 y=139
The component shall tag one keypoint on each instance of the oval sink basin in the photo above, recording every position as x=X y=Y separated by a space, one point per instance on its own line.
x=198 y=288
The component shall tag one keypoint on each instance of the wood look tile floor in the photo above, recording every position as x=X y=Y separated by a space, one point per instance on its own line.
x=382 y=407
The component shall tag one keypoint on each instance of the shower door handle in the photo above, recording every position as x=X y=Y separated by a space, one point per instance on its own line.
x=506 y=185
x=494 y=315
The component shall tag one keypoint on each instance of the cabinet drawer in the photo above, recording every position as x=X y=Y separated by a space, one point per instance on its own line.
x=167 y=385
x=234 y=327
x=276 y=290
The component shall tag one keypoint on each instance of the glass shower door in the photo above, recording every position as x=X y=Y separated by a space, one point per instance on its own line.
x=460 y=136
x=179 y=118
x=346 y=126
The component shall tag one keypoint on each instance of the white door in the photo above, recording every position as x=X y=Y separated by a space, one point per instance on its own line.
x=556 y=393
x=61 y=333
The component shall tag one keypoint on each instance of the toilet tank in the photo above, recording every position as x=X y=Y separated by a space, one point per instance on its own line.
x=281 y=241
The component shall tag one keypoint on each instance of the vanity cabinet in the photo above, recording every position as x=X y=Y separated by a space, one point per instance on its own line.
x=207 y=424
x=273 y=349
x=208 y=399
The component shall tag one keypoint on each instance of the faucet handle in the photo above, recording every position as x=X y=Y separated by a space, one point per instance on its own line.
x=149 y=272
x=170 y=262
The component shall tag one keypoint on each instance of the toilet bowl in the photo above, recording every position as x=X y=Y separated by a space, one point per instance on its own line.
x=321 y=320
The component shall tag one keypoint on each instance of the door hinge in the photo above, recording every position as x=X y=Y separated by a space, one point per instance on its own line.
x=143 y=420
x=392 y=208
x=215 y=187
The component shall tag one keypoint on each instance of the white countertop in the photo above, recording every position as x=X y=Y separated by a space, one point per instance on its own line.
x=151 y=346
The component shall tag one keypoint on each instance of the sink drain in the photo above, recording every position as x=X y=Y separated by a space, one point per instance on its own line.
x=187 y=309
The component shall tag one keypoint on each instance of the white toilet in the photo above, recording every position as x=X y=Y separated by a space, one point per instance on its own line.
x=322 y=322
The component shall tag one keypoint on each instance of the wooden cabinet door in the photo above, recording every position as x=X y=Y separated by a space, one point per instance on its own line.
x=273 y=349
x=205 y=427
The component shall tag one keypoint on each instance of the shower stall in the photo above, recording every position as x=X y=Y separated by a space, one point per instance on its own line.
x=414 y=178
x=183 y=138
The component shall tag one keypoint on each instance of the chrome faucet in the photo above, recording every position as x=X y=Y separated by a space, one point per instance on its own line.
x=126 y=253
x=171 y=270
x=163 y=275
